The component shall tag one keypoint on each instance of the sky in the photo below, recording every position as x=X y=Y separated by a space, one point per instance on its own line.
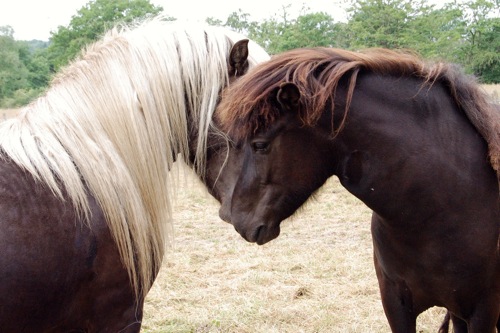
x=35 y=19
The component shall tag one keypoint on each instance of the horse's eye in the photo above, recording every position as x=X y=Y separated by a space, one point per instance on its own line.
x=260 y=146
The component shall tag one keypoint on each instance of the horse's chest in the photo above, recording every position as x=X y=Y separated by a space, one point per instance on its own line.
x=413 y=255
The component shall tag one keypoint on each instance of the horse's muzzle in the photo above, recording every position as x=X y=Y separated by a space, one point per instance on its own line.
x=260 y=235
x=224 y=214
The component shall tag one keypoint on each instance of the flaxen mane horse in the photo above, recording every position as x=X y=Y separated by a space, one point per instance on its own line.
x=418 y=143
x=84 y=173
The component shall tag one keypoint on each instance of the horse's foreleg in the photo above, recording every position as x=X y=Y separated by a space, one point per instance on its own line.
x=459 y=326
x=397 y=303
x=485 y=318
x=445 y=325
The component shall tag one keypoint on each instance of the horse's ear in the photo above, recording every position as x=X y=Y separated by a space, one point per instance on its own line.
x=288 y=96
x=238 y=58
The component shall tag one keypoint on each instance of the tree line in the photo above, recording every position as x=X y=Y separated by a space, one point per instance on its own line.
x=466 y=33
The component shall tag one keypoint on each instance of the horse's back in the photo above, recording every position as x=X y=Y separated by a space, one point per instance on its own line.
x=56 y=273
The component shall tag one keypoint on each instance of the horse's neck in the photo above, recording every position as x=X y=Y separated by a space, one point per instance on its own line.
x=401 y=151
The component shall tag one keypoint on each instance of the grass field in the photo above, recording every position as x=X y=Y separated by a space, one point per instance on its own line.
x=318 y=276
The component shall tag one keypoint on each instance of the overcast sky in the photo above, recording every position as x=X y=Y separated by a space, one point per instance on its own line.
x=35 y=19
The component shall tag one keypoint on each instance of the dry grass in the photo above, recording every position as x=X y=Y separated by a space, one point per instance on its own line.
x=493 y=90
x=318 y=276
x=7 y=113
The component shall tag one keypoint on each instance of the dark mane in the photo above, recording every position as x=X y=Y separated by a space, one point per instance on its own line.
x=317 y=73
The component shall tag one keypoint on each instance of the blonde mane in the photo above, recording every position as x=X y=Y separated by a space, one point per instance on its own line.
x=113 y=122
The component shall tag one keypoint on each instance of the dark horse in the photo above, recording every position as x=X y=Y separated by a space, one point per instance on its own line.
x=418 y=143
x=84 y=181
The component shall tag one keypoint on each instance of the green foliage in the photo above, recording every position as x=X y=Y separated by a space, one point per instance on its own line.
x=466 y=33
x=404 y=24
x=7 y=31
x=39 y=68
x=24 y=70
x=13 y=74
x=379 y=23
x=278 y=34
x=90 y=22
x=480 y=52
x=437 y=33
x=308 y=30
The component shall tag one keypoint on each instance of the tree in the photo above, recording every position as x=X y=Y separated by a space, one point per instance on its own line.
x=280 y=33
x=310 y=30
x=7 y=31
x=23 y=70
x=486 y=63
x=466 y=33
x=13 y=73
x=437 y=33
x=90 y=22
x=481 y=51
x=238 y=21
x=382 y=23
x=39 y=69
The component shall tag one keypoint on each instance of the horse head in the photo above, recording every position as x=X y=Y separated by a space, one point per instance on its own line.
x=219 y=181
x=222 y=163
x=275 y=166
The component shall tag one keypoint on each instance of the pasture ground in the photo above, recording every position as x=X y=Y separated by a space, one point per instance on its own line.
x=317 y=276
x=493 y=90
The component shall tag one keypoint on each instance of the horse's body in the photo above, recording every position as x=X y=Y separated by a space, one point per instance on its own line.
x=58 y=275
x=418 y=144
x=84 y=186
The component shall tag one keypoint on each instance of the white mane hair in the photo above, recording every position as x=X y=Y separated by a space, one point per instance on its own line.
x=113 y=121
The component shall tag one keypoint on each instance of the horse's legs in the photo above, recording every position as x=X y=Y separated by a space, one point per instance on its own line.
x=459 y=326
x=397 y=303
x=482 y=324
x=445 y=325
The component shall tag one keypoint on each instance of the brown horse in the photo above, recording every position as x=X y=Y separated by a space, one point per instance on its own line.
x=418 y=143
x=84 y=181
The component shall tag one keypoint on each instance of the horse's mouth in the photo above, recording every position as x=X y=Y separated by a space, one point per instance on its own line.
x=260 y=231
x=261 y=234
